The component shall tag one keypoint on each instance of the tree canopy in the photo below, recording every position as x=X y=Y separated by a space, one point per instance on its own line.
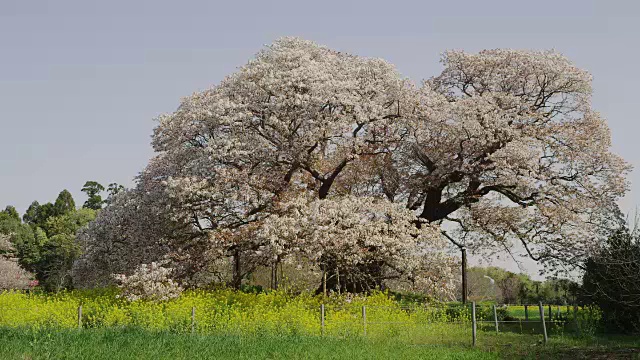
x=64 y=203
x=93 y=190
x=611 y=280
x=501 y=148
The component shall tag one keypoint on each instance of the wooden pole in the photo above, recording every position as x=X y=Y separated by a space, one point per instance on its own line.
x=275 y=275
x=237 y=279
x=273 y=269
x=526 y=312
x=473 y=322
x=550 y=314
x=544 y=326
x=193 y=319
x=80 y=317
x=322 y=319
x=464 y=275
x=575 y=318
x=520 y=322
x=495 y=317
x=364 y=319
x=324 y=282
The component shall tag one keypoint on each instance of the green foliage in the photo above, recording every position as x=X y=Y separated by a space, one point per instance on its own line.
x=411 y=298
x=45 y=211
x=53 y=253
x=20 y=235
x=28 y=245
x=56 y=258
x=93 y=190
x=64 y=203
x=31 y=215
x=611 y=281
x=559 y=291
x=12 y=212
x=45 y=243
x=49 y=251
x=70 y=222
x=36 y=215
x=512 y=288
x=8 y=223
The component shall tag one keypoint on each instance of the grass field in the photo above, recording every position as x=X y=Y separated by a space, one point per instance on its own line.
x=113 y=344
x=98 y=344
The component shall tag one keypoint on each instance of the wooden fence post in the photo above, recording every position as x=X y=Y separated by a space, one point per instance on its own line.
x=80 y=317
x=575 y=318
x=526 y=312
x=544 y=326
x=364 y=319
x=322 y=319
x=473 y=322
x=495 y=317
x=550 y=314
x=193 y=319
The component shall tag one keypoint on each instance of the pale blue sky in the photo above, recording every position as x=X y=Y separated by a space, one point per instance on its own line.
x=81 y=81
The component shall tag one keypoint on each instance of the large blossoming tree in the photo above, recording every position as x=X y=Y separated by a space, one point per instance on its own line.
x=500 y=149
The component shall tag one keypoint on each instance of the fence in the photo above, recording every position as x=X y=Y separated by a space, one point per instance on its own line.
x=435 y=324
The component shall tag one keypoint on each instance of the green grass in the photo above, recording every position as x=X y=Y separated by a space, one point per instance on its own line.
x=98 y=344
x=127 y=344
x=518 y=311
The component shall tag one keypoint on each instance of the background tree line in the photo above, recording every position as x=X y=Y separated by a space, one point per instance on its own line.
x=39 y=248
x=505 y=287
x=609 y=282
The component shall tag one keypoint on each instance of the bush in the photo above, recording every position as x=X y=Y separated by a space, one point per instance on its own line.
x=149 y=282
x=611 y=282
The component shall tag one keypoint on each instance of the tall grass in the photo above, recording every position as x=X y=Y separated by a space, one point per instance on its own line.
x=135 y=344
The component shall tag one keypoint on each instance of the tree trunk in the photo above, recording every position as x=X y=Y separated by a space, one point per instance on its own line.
x=464 y=275
x=324 y=281
x=237 y=270
x=360 y=279
x=274 y=275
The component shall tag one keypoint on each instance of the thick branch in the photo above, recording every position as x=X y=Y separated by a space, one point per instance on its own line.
x=327 y=182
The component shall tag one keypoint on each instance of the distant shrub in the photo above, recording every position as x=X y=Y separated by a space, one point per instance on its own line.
x=149 y=282
x=611 y=281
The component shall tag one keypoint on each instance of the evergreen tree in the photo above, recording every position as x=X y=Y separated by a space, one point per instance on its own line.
x=31 y=215
x=12 y=212
x=64 y=203
x=611 y=281
x=93 y=190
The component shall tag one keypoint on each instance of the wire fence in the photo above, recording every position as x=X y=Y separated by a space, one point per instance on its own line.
x=442 y=324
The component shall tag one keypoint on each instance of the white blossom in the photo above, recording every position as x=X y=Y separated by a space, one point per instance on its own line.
x=149 y=282
x=293 y=154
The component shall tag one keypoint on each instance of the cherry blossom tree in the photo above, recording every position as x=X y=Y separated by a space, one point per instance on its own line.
x=365 y=240
x=514 y=153
x=307 y=151
x=149 y=282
